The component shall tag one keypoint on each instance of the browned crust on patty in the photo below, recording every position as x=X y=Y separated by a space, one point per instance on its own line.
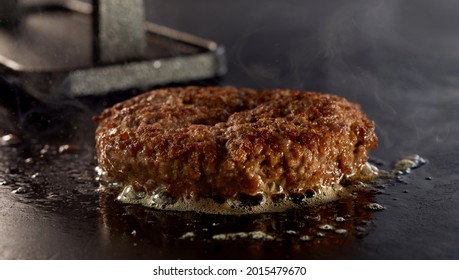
x=227 y=142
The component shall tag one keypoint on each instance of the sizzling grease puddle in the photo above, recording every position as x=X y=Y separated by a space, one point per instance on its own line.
x=261 y=203
x=335 y=222
x=334 y=218
x=160 y=200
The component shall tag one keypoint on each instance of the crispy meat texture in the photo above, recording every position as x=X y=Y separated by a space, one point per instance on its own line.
x=231 y=142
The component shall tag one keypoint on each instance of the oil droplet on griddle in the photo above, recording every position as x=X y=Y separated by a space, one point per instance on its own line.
x=9 y=140
x=20 y=190
x=375 y=207
x=44 y=150
x=326 y=227
x=406 y=164
x=305 y=238
x=341 y=231
x=320 y=234
x=67 y=148
x=188 y=235
x=259 y=235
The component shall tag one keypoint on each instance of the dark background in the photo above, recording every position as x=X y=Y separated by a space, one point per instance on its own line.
x=398 y=59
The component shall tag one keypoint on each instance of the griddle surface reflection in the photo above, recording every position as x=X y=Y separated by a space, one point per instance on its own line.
x=195 y=235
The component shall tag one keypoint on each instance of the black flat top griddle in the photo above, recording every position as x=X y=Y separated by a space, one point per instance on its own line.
x=398 y=59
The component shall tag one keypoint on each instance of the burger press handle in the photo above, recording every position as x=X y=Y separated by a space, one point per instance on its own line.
x=119 y=30
x=104 y=47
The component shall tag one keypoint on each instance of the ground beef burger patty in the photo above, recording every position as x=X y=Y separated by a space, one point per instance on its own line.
x=226 y=142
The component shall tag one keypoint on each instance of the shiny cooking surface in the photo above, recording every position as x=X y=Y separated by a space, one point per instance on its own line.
x=398 y=59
